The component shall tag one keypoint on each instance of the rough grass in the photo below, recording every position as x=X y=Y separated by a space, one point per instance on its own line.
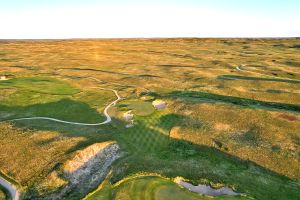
x=152 y=150
x=43 y=151
x=3 y=193
x=247 y=133
x=232 y=77
x=215 y=140
x=196 y=96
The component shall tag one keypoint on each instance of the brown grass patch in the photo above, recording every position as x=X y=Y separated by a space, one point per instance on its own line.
x=222 y=127
x=29 y=155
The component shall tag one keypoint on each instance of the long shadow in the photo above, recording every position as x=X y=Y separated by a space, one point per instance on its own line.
x=292 y=63
x=64 y=109
x=197 y=162
x=174 y=157
x=114 y=73
x=197 y=97
x=248 y=78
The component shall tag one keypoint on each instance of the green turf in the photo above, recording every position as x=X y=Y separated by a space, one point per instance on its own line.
x=150 y=133
x=65 y=109
x=152 y=150
x=148 y=188
x=140 y=108
x=146 y=66
x=41 y=85
x=48 y=97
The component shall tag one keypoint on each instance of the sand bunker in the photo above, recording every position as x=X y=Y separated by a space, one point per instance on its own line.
x=3 y=78
x=128 y=116
x=159 y=104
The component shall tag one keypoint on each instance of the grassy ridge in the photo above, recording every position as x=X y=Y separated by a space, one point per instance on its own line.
x=151 y=150
x=40 y=85
x=49 y=97
x=249 y=78
x=233 y=100
x=219 y=143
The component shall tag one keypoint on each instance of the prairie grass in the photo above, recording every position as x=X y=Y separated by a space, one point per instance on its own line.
x=34 y=155
x=230 y=126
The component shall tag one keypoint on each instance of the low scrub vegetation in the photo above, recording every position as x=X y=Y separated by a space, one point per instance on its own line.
x=231 y=116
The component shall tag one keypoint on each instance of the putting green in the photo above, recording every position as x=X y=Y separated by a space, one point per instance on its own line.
x=139 y=108
x=148 y=188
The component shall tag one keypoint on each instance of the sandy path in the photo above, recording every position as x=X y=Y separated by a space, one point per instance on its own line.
x=10 y=188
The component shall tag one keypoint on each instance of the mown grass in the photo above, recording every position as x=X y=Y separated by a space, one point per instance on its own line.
x=151 y=150
x=65 y=109
x=217 y=144
x=146 y=188
x=41 y=85
x=47 y=143
x=58 y=102
x=139 y=108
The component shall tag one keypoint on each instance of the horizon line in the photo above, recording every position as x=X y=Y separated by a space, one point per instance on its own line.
x=141 y=38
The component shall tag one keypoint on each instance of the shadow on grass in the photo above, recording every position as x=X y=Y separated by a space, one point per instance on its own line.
x=149 y=150
x=195 y=96
x=65 y=109
x=174 y=157
x=292 y=63
x=248 y=78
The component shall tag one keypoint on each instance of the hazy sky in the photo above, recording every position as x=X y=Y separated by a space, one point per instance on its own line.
x=22 y=19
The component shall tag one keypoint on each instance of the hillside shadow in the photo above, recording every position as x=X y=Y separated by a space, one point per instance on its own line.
x=149 y=150
x=191 y=97
x=65 y=109
x=197 y=162
x=249 y=78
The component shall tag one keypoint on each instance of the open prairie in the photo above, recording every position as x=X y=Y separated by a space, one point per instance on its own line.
x=231 y=117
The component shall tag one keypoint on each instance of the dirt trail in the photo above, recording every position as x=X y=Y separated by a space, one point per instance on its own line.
x=15 y=195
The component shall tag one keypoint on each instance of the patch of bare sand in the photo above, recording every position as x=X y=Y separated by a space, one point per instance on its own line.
x=222 y=127
x=174 y=132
